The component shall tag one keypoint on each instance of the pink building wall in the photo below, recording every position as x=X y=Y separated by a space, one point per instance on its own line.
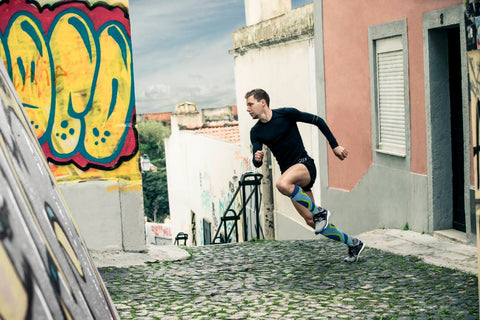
x=347 y=80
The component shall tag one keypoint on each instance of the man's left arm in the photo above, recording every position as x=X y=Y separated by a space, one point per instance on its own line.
x=339 y=151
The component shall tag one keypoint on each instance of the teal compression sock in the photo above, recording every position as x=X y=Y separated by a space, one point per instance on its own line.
x=302 y=198
x=333 y=233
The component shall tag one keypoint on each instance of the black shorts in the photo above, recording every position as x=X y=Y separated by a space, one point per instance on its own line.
x=310 y=164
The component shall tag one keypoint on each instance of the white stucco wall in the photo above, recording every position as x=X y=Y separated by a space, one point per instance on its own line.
x=202 y=174
x=287 y=72
x=258 y=10
x=109 y=214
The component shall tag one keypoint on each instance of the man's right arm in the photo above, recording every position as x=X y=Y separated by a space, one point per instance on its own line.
x=257 y=150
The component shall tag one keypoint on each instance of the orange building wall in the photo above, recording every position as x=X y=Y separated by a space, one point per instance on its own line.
x=347 y=78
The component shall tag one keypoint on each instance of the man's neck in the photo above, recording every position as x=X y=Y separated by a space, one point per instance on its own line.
x=267 y=115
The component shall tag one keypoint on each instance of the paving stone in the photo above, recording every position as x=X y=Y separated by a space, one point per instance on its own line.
x=291 y=280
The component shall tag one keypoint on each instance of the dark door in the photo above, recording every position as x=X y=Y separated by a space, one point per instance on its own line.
x=207 y=234
x=455 y=83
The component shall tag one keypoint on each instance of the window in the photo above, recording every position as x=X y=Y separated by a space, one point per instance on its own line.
x=390 y=96
x=389 y=91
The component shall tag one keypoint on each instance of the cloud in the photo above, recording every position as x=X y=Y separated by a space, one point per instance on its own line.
x=181 y=52
x=164 y=97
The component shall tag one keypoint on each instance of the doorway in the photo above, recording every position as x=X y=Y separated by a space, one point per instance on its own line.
x=445 y=122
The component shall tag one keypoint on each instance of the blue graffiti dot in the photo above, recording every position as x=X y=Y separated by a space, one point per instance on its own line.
x=32 y=122
x=36 y=126
x=63 y=136
x=71 y=131
x=103 y=140
x=107 y=133
x=95 y=131
x=96 y=143
x=64 y=124
x=57 y=134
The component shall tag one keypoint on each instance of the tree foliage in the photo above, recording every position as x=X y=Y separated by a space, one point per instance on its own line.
x=155 y=195
x=155 y=189
x=152 y=135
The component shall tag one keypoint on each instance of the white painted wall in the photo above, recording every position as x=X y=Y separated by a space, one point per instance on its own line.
x=202 y=175
x=109 y=214
x=287 y=72
x=260 y=10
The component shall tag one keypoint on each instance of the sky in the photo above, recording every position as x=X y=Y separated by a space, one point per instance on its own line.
x=180 y=52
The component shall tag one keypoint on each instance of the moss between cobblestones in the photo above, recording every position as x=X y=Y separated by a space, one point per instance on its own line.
x=291 y=280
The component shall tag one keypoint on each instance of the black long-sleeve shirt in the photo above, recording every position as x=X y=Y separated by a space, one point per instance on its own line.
x=282 y=137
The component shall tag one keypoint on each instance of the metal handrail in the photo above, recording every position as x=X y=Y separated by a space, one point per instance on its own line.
x=247 y=179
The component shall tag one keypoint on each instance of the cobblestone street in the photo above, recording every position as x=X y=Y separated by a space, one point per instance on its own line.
x=291 y=280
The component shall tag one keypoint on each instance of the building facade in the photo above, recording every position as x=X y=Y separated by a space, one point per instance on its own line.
x=400 y=101
x=392 y=83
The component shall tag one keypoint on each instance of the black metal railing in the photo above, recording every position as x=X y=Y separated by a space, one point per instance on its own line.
x=223 y=235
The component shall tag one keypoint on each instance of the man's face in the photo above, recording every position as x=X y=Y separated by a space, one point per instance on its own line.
x=254 y=107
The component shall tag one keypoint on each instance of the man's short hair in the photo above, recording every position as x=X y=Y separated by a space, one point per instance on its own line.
x=258 y=94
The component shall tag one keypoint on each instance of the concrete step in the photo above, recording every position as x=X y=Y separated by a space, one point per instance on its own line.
x=451 y=235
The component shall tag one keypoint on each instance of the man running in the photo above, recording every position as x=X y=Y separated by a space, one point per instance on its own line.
x=277 y=129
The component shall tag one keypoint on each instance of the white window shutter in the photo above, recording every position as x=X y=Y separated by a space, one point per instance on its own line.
x=391 y=96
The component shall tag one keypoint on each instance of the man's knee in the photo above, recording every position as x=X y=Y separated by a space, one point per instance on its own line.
x=284 y=187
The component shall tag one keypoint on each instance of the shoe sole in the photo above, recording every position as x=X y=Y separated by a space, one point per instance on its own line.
x=326 y=224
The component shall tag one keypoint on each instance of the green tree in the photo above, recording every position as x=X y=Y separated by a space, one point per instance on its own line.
x=155 y=189
x=155 y=195
x=151 y=136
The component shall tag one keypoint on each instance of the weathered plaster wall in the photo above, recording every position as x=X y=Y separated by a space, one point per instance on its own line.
x=260 y=10
x=347 y=79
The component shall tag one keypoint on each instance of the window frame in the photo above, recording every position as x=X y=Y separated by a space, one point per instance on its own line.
x=390 y=157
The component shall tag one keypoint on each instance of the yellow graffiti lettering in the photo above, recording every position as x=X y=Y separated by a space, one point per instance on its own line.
x=31 y=71
x=106 y=123
x=74 y=53
x=13 y=298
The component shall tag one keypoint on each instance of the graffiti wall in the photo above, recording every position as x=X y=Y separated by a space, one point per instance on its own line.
x=158 y=233
x=71 y=65
x=45 y=269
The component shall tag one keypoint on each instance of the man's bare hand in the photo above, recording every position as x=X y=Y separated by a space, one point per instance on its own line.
x=340 y=152
x=259 y=156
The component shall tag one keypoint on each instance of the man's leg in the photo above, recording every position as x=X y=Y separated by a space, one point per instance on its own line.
x=290 y=181
x=289 y=185
x=304 y=212
x=332 y=232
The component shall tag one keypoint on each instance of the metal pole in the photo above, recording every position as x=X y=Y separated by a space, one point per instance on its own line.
x=245 y=226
